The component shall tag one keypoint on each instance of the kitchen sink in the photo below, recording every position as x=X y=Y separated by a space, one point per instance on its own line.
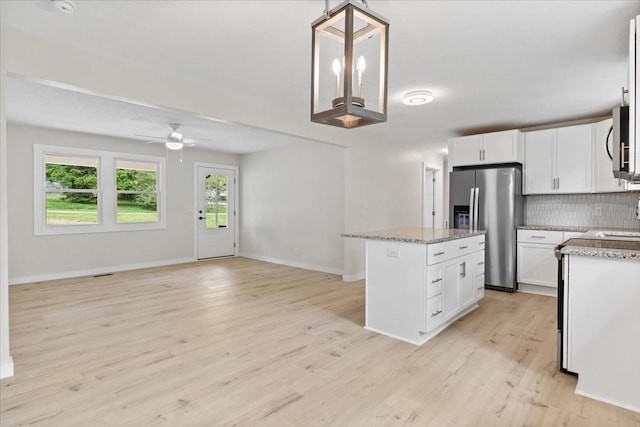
x=632 y=234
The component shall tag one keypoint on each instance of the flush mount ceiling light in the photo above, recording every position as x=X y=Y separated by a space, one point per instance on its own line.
x=65 y=6
x=349 y=66
x=417 y=97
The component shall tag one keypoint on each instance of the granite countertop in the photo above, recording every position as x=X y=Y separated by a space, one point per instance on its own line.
x=416 y=235
x=619 y=248
x=554 y=228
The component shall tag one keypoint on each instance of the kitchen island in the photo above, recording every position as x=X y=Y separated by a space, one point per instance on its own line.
x=601 y=332
x=419 y=280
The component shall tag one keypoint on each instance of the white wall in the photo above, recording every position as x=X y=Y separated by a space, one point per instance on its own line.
x=33 y=258
x=383 y=189
x=292 y=206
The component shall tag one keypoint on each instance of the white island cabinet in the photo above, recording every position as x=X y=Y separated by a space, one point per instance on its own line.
x=419 y=281
x=602 y=336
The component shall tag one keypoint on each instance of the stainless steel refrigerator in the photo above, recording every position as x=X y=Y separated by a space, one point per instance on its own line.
x=490 y=198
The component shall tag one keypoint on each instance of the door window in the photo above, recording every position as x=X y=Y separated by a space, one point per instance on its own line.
x=216 y=199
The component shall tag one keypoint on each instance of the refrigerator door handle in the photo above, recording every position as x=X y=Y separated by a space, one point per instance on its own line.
x=475 y=208
x=471 y=211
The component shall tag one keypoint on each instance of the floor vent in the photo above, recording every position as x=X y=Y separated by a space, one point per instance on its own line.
x=102 y=275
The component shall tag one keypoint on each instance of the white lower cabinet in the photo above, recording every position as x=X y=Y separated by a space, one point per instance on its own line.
x=537 y=262
x=414 y=291
x=454 y=282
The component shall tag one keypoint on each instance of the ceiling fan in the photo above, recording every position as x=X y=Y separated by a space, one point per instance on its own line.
x=174 y=140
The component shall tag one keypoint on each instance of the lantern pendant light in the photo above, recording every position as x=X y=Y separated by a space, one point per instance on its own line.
x=349 y=66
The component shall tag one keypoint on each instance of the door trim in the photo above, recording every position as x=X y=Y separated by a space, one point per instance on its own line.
x=236 y=192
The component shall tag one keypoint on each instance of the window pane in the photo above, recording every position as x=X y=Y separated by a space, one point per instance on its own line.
x=64 y=172
x=71 y=208
x=137 y=208
x=136 y=176
x=216 y=198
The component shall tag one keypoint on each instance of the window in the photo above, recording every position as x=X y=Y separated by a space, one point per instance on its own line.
x=86 y=191
x=71 y=190
x=136 y=191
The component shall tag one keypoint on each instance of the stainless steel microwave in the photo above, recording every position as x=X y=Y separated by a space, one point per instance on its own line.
x=620 y=142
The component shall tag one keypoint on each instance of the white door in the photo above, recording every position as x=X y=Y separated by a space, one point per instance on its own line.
x=432 y=198
x=215 y=211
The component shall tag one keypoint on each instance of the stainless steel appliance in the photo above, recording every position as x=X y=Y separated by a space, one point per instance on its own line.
x=490 y=198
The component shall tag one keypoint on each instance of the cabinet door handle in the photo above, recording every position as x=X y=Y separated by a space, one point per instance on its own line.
x=463 y=247
x=438 y=253
x=436 y=313
x=480 y=288
x=463 y=269
x=481 y=263
x=558 y=183
x=437 y=280
x=481 y=243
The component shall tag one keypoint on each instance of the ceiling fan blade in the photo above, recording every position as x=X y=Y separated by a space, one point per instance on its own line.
x=150 y=136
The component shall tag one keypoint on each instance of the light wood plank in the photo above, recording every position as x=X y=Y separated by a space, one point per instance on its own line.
x=242 y=342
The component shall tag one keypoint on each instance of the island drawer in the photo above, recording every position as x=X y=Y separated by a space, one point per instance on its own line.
x=433 y=314
x=434 y=281
x=480 y=263
x=444 y=251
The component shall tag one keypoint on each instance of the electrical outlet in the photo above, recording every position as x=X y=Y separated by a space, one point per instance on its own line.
x=598 y=210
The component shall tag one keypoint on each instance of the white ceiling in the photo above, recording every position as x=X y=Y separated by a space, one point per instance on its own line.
x=491 y=64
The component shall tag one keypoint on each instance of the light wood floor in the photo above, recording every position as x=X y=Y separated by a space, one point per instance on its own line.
x=242 y=342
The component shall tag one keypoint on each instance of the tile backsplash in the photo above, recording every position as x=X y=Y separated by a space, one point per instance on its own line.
x=616 y=210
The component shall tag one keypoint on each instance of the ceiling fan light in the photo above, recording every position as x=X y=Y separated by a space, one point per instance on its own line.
x=174 y=145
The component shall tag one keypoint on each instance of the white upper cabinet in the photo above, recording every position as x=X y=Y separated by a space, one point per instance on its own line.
x=574 y=146
x=558 y=160
x=539 y=161
x=603 y=180
x=465 y=150
x=488 y=148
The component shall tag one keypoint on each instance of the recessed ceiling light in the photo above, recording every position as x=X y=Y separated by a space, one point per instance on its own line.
x=417 y=97
x=65 y=6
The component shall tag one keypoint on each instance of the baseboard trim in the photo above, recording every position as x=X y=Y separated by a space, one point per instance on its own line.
x=537 y=289
x=6 y=369
x=353 y=277
x=290 y=263
x=95 y=271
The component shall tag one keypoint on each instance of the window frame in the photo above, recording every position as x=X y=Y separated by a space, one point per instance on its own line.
x=116 y=191
x=107 y=193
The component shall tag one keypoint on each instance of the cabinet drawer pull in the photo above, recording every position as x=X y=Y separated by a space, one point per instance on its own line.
x=436 y=313
x=481 y=263
x=438 y=253
x=463 y=247
x=538 y=237
x=437 y=280
x=481 y=243
x=480 y=288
